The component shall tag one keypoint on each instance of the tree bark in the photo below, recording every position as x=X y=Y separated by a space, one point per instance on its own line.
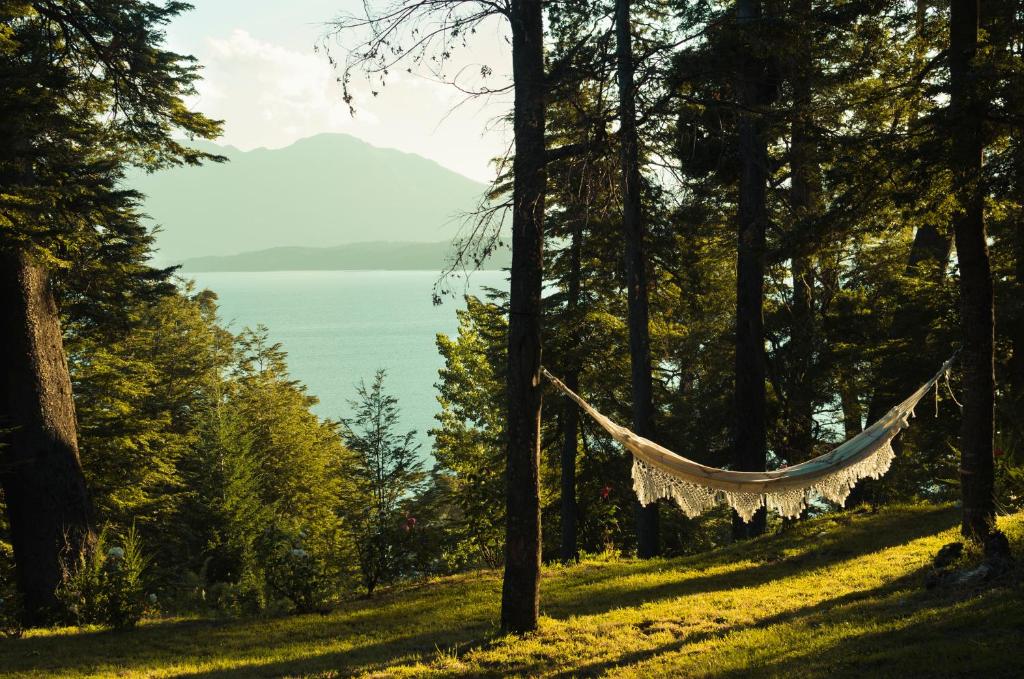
x=750 y=452
x=1011 y=21
x=804 y=198
x=40 y=471
x=570 y=411
x=520 y=600
x=1015 y=366
x=976 y=294
x=636 y=266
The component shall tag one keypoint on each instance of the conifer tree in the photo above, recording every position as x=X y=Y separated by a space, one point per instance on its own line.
x=84 y=90
x=967 y=113
x=388 y=475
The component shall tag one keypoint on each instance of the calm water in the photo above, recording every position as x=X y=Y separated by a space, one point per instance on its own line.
x=340 y=326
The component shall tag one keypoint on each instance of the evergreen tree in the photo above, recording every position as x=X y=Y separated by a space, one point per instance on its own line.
x=388 y=475
x=469 y=439
x=636 y=263
x=967 y=111
x=85 y=91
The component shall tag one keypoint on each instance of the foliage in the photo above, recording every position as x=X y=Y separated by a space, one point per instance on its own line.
x=10 y=613
x=279 y=476
x=388 y=475
x=294 y=573
x=87 y=90
x=202 y=440
x=142 y=391
x=99 y=76
x=469 y=439
x=104 y=584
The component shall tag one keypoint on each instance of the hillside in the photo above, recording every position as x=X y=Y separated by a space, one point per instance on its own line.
x=839 y=596
x=352 y=257
x=323 y=191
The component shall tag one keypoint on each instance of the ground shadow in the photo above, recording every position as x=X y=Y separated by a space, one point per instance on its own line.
x=591 y=595
x=589 y=590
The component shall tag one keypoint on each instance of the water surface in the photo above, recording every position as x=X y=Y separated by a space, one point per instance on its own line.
x=338 y=327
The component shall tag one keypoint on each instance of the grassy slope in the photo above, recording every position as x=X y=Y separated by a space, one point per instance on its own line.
x=838 y=596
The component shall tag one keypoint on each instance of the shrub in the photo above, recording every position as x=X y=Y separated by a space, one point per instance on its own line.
x=103 y=585
x=10 y=624
x=295 y=574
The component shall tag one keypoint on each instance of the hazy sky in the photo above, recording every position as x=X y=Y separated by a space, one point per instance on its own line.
x=263 y=78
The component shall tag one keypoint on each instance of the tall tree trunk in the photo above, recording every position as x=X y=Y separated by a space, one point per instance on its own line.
x=570 y=411
x=1015 y=366
x=976 y=295
x=750 y=437
x=804 y=198
x=520 y=597
x=40 y=471
x=636 y=267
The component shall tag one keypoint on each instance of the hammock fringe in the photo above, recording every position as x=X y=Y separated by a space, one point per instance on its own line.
x=651 y=484
x=658 y=473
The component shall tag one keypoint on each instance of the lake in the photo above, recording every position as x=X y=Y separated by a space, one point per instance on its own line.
x=339 y=327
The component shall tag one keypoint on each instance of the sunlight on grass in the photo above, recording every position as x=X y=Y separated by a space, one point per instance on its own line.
x=835 y=596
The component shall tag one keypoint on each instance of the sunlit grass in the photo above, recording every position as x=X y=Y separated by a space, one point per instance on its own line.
x=842 y=595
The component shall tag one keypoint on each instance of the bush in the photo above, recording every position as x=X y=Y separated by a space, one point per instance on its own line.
x=103 y=586
x=295 y=574
x=10 y=624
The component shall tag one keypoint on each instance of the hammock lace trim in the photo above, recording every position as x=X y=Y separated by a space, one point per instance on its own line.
x=650 y=484
x=659 y=473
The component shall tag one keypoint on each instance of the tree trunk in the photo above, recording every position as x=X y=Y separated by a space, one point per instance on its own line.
x=40 y=471
x=570 y=411
x=520 y=598
x=1011 y=21
x=976 y=295
x=636 y=267
x=750 y=438
x=804 y=198
x=1015 y=366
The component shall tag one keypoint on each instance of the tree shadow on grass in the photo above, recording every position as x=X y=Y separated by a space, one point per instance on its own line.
x=162 y=645
x=371 y=658
x=966 y=634
x=972 y=632
x=589 y=590
x=584 y=594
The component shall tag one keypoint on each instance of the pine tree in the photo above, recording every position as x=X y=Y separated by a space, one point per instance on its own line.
x=79 y=102
x=389 y=475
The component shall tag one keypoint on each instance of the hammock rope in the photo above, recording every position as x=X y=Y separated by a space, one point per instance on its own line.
x=660 y=473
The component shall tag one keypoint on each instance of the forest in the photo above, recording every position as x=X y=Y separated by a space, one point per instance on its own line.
x=743 y=230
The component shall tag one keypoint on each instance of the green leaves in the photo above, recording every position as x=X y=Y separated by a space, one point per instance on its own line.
x=388 y=475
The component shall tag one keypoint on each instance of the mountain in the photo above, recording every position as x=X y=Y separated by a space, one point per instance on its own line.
x=322 y=191
x=382 y=256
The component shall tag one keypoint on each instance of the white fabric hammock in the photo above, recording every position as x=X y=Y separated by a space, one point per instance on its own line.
x=660 y=473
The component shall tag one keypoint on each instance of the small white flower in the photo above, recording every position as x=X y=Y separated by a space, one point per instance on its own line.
x=152 y=598
x=115 y=553
x=299 y=553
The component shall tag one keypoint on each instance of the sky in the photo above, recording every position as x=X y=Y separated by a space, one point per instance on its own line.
x=262 y=76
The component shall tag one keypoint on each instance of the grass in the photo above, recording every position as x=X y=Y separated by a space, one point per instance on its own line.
x=839 y=596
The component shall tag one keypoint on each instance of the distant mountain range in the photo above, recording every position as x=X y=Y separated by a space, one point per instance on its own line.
x=322 y=192
x=383 y=256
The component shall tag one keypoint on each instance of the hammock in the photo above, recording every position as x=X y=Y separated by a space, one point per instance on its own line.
x=660 y=473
